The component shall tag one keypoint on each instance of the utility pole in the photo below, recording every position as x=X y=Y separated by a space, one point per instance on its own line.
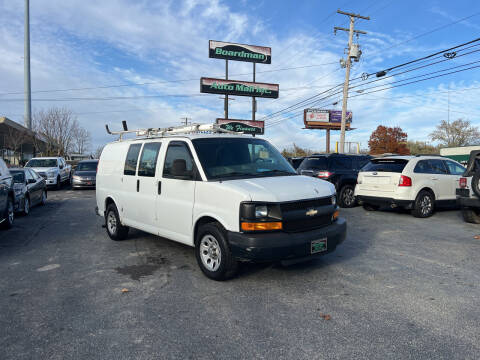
x=348 y=64
x=185 y=120
x=27 y=89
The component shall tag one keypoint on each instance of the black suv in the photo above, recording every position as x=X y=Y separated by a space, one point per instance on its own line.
x=340 y=169
x=7 y=197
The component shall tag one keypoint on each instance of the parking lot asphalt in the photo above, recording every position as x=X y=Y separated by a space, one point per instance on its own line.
x=397 y=288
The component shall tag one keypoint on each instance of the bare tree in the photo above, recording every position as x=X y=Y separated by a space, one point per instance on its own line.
x=98 y=152
x=14 y=140
x=81 y=140
x=56 y=127
x=456 y=133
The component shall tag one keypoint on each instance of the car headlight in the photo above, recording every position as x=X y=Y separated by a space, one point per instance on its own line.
x=75 y=177
x=261 y=211
x=51 y=174
x=260 y=217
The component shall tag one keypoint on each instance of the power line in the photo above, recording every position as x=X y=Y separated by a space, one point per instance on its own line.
x=162 y=82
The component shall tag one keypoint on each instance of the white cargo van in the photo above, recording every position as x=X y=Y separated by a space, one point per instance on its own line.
x=232 y=197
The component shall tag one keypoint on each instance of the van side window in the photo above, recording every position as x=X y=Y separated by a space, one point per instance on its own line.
x=176 y=152
x=132 y=159
x=148 y=160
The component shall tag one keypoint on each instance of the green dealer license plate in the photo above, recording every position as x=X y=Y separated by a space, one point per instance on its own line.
x=318 y=246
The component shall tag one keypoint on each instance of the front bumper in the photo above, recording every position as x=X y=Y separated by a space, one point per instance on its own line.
x=83 y=183
x=276 y=246
x=383 y=201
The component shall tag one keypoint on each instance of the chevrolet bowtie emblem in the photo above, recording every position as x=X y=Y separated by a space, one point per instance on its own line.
x=311 y=212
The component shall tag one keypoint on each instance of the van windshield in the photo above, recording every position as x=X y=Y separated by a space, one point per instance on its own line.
x=240 y=158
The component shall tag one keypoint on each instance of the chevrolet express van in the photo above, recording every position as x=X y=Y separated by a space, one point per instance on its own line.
x=231 y=197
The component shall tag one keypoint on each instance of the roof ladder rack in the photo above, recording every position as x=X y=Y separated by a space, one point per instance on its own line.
x=156 y=132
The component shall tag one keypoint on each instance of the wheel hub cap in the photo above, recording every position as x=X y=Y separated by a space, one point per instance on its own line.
x=111 y=223
x=210 y=252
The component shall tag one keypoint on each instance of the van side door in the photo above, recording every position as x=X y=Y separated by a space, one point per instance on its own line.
x=147 y=188
x=128 y=198
x=177 y=193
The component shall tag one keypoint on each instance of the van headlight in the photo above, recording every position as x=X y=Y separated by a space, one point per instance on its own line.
x=51 y=174
x=260 y=217
x=261 y=211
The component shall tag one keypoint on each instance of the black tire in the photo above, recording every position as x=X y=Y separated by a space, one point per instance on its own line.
x=26 y=206
x=476 y=183
x=346 y=198
x=43 y=200
x=211 y=244
x=471 y=215
x=369 y=207
x=115 y=230
x=59 y=183
x=8 y=214
x=424 y=204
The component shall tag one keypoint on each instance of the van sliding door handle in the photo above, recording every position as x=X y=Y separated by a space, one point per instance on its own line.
x=159 y=187
x=138 y=185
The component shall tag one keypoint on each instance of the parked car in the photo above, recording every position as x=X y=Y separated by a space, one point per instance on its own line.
x=85 y=174
x=468 y=191
x=296 y=161
x=419 y=183
x=231 y=197
x=340 y=169
x=54 y=170
x=7 y=197
x=30 y=189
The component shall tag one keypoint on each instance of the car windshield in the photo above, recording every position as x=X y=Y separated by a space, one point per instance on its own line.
x=42 y=163
x=87 y=166
x=18 y=176
x=385 y=165
x=228 y=158
x=314 y=163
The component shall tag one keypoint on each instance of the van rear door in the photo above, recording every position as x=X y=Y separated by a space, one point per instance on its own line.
x=381 y=175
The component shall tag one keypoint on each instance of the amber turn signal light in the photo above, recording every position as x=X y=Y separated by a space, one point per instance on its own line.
x=335 y=215
x=261 y=226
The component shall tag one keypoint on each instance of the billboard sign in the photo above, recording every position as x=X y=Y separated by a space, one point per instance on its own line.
x=243 y=126
x=315 y=116
x=336 y=116
x=239 y=88
x=240 y=52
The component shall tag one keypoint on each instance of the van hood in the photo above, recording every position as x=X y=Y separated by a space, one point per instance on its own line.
x=282 y=188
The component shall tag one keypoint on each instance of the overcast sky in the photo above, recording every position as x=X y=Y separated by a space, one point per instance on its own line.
x=95 y=46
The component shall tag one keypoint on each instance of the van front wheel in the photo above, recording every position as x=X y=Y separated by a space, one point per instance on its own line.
x=115 y=230
x=213 y=253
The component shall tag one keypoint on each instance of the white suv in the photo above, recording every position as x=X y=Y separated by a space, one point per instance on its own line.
x=232 y=197
x=412 y=182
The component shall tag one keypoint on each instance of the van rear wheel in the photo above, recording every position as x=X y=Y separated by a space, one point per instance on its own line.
x=115 y=230
x=213 y=253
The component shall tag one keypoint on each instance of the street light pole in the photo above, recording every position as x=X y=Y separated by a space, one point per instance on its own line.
x=27 y=83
